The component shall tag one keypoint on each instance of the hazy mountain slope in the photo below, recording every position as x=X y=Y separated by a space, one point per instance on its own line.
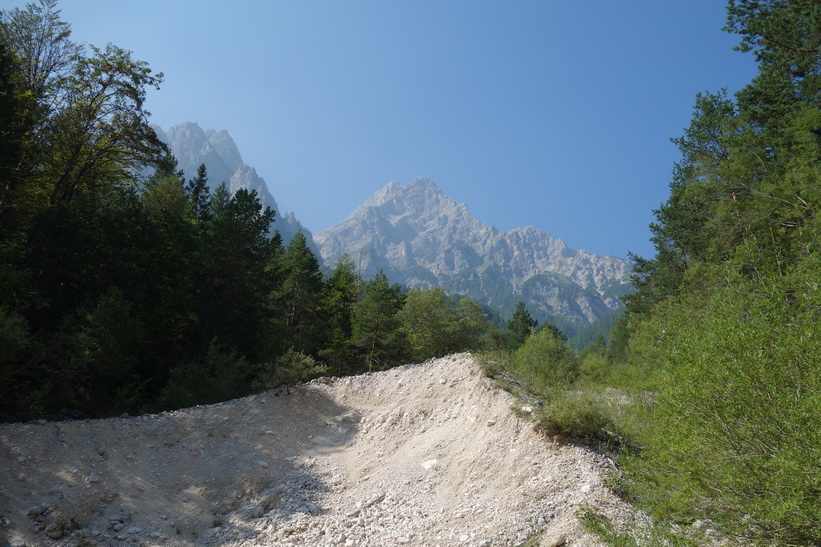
x=421 y=238
x=194 y=146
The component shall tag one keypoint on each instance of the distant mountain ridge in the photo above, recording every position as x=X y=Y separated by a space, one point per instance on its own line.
x=193 y=146
x=422 y=238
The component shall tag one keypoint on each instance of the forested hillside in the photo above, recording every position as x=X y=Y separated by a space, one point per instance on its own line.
x=125 y=287
x=716 y=360
x=728 y=312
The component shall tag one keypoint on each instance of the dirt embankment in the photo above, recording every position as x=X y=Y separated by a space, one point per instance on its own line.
x=428 y=454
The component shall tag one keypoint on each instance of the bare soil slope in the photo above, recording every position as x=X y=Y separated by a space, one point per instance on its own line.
x=428 y=454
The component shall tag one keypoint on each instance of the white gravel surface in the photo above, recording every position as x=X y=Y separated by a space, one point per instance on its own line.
x=428 y=454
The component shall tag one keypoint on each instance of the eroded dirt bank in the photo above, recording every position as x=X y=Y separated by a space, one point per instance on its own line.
x=427 y=454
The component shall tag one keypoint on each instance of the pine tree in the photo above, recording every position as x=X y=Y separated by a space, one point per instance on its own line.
x=301 y=293
x=520 y=327
x=200 y=195
x=376 y=327
x=338 y=300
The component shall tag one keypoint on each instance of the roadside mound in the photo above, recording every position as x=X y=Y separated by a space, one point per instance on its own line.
x=427 y=454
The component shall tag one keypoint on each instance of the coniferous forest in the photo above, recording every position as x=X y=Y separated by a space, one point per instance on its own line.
x=126 y=288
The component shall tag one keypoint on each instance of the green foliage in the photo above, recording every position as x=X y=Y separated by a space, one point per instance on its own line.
x=645 y=535
x=200 y=196
x=219 y=375
x=376 y=325
x=545 y=362
x=290 y=368
x=576 y=415
x=300 y=294
x=724 y=326
x=519 y=328
x=475 y=329
x=90 y=365
x=600 y=328
x=593 y=364
x=339 y=297
x=735 y=429
x=431 y=324
x=236 y=253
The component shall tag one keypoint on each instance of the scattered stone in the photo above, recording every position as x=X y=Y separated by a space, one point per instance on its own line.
x=374 y=500
x=36 y=510
x=558 y=541
x=313 y=493
x=54 y=531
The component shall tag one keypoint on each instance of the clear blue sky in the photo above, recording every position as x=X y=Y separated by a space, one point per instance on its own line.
x=545 y=113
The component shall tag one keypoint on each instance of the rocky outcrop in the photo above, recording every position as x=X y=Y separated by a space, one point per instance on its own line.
x=193 y=146
x=421 y=237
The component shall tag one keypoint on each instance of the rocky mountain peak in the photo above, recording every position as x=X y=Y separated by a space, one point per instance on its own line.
x=421 y=237
x=193 y=146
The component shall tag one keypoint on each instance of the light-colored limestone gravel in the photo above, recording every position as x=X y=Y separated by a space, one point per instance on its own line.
x=427 y=454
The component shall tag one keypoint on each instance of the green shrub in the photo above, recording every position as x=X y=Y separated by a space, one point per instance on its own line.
x=577 y=415
x=545 y=362
x=734 y=433
x=291 y=368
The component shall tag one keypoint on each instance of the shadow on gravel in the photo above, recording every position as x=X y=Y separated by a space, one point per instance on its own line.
x=203 y=475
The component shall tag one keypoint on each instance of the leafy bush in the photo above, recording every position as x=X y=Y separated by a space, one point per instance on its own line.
x=291 y=368
x=735 y=430
x=545 y=362
x=577 y=415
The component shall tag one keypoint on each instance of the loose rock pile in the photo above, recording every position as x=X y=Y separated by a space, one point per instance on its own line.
x=428 y=454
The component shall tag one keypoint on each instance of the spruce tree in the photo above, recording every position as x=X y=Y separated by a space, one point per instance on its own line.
x=520 y=327
x=338 y=300
x=300 y=294
x=376 y=326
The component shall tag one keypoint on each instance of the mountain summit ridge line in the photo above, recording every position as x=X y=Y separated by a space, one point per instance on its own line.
x=420 y=237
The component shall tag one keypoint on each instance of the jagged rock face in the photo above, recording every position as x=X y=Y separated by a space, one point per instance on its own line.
x=193 y=146
x=421 y=237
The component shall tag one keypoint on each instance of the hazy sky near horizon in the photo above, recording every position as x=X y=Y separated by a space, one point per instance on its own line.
x=551 y=114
